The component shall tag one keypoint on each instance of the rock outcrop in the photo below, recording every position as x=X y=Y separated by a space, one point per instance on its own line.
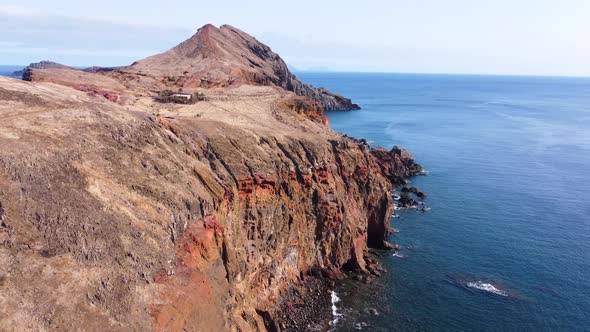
x=26 y=72
x=124 y=214
x=397 y=164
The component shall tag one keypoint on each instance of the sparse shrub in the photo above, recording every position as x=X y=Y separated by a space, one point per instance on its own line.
x=166 y=93
x=198 y=96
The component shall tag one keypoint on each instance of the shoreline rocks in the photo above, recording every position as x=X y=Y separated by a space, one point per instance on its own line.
x=397 y=164
x=411 y=197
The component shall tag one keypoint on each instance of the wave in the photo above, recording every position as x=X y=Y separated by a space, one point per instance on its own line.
x=398 y=255
x=511 y=105
x=335 y=314
x=487 y=287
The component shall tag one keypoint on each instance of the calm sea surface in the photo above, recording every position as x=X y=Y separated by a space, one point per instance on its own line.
x=506 y=246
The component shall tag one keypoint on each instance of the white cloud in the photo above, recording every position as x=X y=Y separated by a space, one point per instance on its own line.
x=35 y=36
x=15 y=10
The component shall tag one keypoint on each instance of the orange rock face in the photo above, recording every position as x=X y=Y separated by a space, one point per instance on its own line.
x=188 y=297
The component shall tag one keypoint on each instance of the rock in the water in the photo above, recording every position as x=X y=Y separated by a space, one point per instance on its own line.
x=397 y=164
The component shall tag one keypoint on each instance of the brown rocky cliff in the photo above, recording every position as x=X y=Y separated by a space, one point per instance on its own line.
x=194 y=217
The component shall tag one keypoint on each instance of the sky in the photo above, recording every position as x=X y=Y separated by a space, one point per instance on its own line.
x=517 y=37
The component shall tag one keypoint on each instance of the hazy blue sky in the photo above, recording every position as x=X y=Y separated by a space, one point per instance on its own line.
x=542 y=37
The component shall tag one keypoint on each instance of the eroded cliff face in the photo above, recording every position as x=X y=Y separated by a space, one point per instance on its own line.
x=121 y=213
x=149 y=217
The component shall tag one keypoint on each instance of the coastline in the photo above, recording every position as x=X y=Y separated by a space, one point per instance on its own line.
x=312 y=304
x=213 y=187
x=473 y=133
x=243 y=198
x=235 y=232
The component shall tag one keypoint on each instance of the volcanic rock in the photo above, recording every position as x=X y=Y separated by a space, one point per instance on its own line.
x=397 y=164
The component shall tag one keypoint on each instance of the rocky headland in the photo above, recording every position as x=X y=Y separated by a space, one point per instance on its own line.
x=237 y=213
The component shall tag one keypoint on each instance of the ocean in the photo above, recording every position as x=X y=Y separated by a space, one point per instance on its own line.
x=8 y=70
x=506 y=244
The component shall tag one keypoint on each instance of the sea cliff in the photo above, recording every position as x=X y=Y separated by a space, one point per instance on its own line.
x=121 y=213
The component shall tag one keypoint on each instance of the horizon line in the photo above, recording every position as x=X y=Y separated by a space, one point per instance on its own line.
x=328 y=71
x=437 y=73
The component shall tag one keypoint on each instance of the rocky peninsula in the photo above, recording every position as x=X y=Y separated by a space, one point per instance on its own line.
x=234 y=213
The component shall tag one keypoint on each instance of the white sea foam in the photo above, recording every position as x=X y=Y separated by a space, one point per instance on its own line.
x=397 y=254
x=335 y=314
x=360 y=326
x=486 y=287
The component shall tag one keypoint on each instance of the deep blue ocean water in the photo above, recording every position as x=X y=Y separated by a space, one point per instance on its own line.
x=509 y=188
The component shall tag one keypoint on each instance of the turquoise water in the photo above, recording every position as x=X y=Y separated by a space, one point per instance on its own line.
x=509 y=188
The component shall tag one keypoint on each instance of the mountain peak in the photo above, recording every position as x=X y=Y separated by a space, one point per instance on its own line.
x=227 y=56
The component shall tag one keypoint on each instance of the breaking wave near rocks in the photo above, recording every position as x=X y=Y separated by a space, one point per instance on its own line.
x=335 y=314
